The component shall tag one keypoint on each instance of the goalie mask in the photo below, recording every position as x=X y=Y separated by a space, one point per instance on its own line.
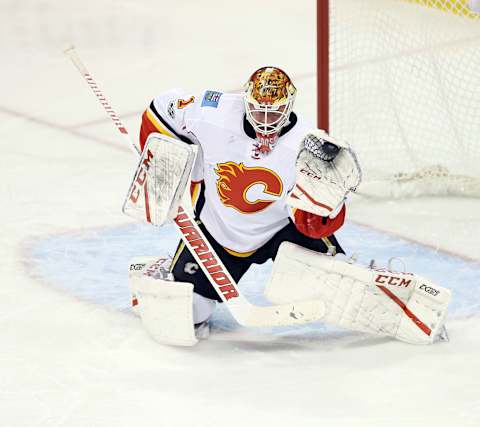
x=269 y=98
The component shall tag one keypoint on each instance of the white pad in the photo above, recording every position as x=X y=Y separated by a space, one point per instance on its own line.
x=322 y=186
x=165 y=306
x=136 y=267
x=401 y=305
x=160 y=179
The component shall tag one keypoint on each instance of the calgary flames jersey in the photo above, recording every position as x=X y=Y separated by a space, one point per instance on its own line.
x=243 y=199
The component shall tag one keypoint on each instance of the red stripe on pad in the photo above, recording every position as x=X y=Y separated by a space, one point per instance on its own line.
x=147 y=206
x=405 y=309
x=328 y=208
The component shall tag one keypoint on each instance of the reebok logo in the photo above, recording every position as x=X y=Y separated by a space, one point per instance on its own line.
x=429 y=290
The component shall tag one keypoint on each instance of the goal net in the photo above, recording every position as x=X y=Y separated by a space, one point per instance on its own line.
x=400 y=80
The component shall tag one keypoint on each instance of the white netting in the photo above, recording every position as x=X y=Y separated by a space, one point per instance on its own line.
x=405 y=91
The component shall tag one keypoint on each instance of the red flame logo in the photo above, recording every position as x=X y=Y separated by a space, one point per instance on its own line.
x=236 y=179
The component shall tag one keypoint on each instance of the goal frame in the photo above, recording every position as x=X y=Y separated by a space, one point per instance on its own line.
x=323 y=60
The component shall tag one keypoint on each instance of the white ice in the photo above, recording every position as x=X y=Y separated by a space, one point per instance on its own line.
x=72 y=354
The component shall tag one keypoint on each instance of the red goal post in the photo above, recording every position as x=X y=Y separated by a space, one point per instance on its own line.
x=400 y=80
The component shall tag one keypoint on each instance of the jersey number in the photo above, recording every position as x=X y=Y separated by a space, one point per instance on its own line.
x=182 y=103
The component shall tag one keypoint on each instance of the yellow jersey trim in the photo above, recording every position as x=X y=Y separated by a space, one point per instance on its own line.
x=240 y=254
x=180 y=248
x=158 y=125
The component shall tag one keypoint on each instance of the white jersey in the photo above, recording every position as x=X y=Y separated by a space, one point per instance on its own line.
x=245 y=198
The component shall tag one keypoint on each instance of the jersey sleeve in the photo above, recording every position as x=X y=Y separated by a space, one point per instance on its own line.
x=316 y=226
x=170 y=113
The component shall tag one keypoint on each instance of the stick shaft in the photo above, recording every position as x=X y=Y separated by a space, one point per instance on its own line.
x=72 y=54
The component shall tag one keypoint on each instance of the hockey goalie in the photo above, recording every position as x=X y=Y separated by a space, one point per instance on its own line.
x=263 y=185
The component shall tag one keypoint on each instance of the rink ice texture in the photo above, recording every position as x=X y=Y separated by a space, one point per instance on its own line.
x=71 y=352
x=93 y=265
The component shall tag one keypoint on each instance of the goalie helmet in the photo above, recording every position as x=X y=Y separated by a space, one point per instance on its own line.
x=269 y=97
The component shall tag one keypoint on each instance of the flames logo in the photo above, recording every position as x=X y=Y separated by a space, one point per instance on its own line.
x=236 y=179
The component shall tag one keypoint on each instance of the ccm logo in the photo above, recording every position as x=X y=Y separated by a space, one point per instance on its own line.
x=141 y=177
x=430 y=290
x=316 y=177
x=310 y=174
x=137 y=267
x=392 y=280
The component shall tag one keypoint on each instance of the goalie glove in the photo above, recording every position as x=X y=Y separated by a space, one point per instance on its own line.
x=327 y=170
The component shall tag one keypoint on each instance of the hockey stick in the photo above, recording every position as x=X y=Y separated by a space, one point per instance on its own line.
x=242 y=310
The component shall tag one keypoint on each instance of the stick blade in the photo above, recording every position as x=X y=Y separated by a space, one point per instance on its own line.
x=297 y=313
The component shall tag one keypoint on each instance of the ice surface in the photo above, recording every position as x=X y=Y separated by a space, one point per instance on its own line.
x=100 y=259
x=72 y=354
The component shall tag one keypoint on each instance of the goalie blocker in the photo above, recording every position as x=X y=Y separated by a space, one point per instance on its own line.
x=160 y=180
